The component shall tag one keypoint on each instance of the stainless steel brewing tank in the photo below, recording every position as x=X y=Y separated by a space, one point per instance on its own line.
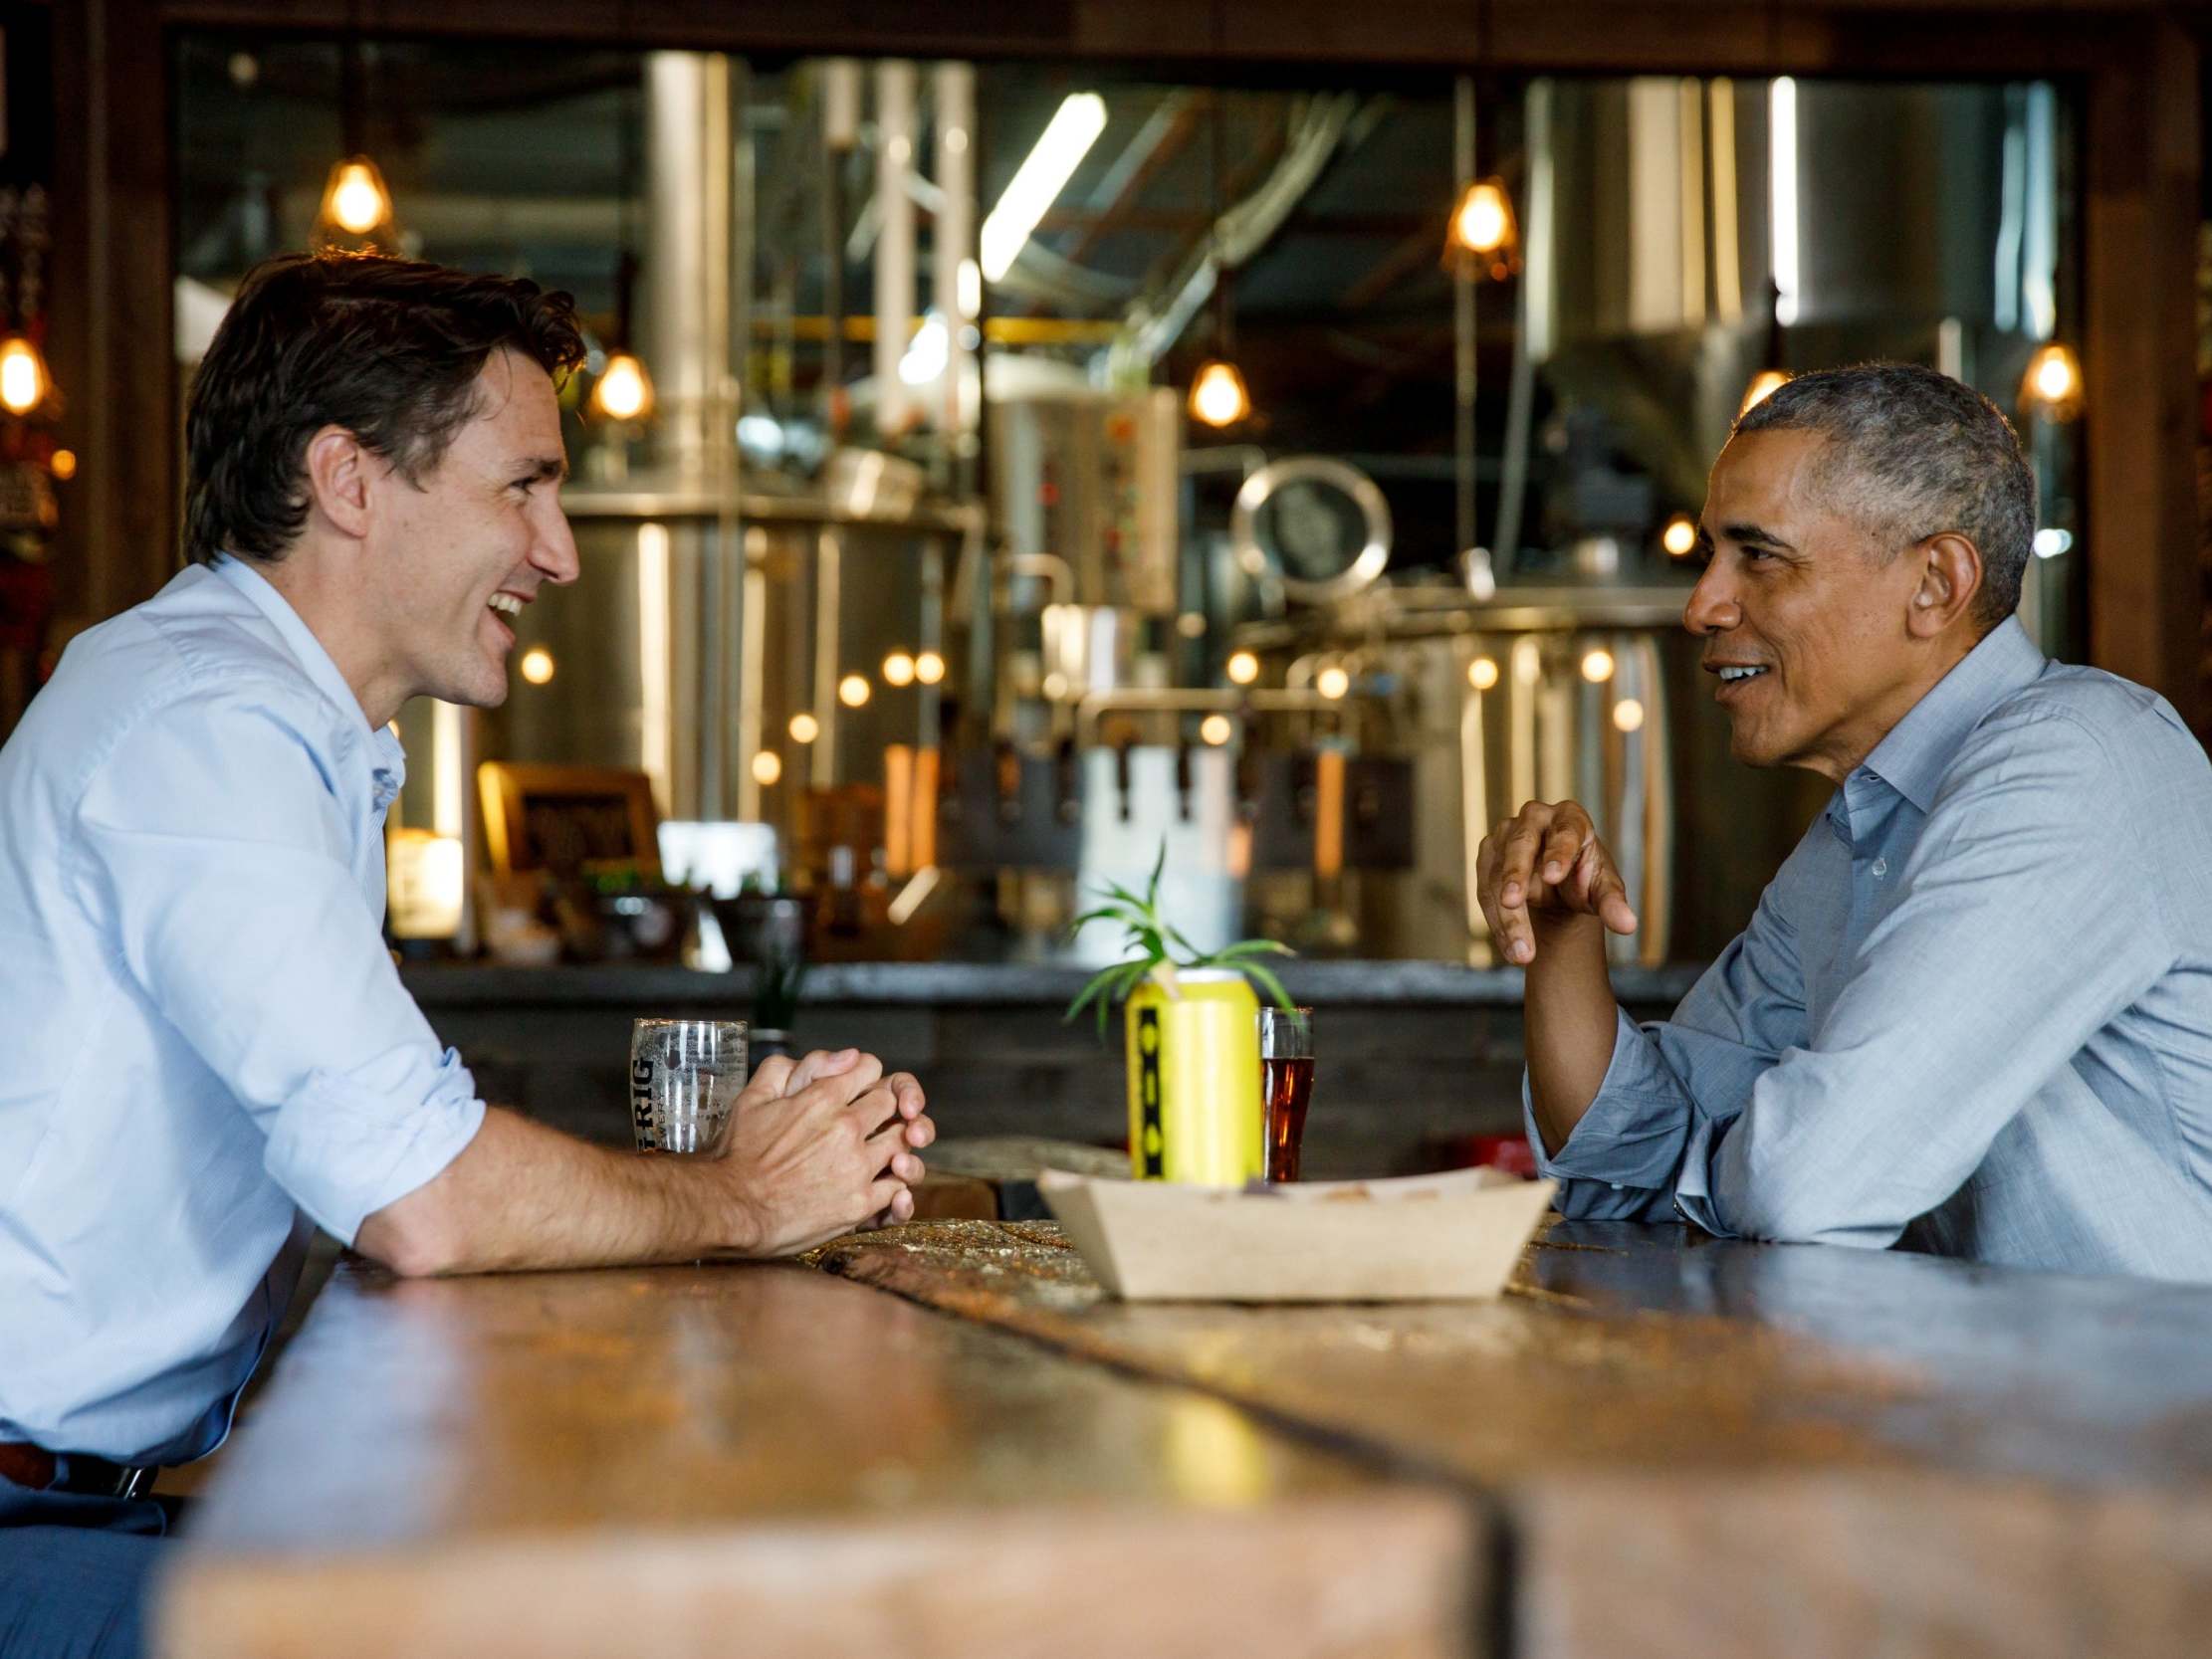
x=645 y=651
x=1093 y=478
x=1674 y=222
x=1586 y=692
x=700 y=625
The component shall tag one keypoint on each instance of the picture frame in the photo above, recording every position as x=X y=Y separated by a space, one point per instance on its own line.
x=567 y=819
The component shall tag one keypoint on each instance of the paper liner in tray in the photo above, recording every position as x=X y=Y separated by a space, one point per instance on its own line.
x=1419 y=1238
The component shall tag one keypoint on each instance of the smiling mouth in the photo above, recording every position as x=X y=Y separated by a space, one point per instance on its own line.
x=1735 y=678
x=505 y=605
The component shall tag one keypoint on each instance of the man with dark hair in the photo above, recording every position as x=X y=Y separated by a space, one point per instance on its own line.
x=1974 y=1012
x=208 y=1048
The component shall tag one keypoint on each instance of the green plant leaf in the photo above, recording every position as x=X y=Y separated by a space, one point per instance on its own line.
x=777 y=990
x=1131 y=975
x=1082 y=999
x=1107 y=987
x=1104 y=912
x=1268 y=980
x=1092 y=989
x=1154 y=947
x=1252 y=948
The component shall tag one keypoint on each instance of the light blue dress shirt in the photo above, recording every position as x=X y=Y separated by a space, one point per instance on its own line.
x=203 y=1032
x=1974 y=1012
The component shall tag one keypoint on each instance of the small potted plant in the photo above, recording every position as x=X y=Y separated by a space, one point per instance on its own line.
x=761 y=917
x=1189 y=1031
x=774 y=1000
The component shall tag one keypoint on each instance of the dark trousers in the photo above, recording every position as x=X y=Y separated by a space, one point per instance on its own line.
x=75 y=1572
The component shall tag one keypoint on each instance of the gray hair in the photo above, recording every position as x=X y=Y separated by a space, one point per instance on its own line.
x=1912 y=454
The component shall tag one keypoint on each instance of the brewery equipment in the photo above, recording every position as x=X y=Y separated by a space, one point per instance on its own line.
x=1535 y=695
x=1101 y=755
x=992 y=644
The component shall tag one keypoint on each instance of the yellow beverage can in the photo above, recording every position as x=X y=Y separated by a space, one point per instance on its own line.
x=1194 y=1079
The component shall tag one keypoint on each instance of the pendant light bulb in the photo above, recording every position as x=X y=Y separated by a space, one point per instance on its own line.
x=24 y=382
x=1482 y=223
x=623 y=391
x=2051 y=387
x=354 y=199
x=1763 y=385
x=1218 y=396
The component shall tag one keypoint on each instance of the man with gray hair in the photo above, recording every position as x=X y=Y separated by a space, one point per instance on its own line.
x=1974 y=1012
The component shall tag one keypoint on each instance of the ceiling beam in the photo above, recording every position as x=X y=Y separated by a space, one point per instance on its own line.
x=1119 y=213
x=1420 y=250
x=1172 y=38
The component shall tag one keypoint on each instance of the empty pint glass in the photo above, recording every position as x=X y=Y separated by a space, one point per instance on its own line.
x=685 y=1076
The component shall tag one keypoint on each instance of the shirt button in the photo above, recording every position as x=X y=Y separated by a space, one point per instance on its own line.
x=1881 y=867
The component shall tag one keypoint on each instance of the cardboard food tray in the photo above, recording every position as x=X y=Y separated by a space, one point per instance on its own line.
x=1419 y=1238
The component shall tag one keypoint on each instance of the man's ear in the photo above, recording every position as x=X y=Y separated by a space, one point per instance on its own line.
x=340 y=473
x=1950 y=568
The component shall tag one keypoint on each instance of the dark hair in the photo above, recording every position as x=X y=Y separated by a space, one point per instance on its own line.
x=387 y=349
x=1911 y=453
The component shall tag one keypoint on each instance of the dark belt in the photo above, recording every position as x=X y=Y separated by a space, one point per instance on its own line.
x=40 y=1470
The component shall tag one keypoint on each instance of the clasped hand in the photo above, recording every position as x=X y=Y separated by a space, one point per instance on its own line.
x=1542 y=869
x=824 y=1146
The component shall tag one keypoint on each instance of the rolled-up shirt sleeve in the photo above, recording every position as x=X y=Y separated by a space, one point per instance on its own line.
x=2005 y=950
x=1668 y=1077
x=1619 y=1163
x=241 y=919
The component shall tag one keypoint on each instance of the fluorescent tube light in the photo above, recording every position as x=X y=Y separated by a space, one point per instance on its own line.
x=1782 y=165
x=1066 y=140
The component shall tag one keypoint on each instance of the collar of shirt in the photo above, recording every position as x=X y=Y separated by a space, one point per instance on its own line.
x=388 y=759
x=1912 y=760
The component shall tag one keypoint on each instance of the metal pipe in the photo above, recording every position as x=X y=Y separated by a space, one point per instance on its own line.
x=828 y=602
x=1656 y=904
x=1059 y=578
x=687 y=275
x=894 y=254
x=1475 y=817
x=1463 y=320
x=951 y=244
x=752 y=656
x=840 y=132
x=1194 y=700
x=930 y=638
x=691 y=159
x=1520 y=405
x=1243 y=459
x=1524 y=666
x=1629 y=834
x=742 y=671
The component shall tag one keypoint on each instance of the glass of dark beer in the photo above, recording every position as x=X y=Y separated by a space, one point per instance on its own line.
x=1286 y=1083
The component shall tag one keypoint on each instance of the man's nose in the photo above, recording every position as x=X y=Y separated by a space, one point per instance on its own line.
x=1712 y=607
x=555 y=550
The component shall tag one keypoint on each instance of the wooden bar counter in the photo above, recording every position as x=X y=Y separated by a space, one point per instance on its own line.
x=1655 y=1445
x=1702 y=1448
x=764 y=1460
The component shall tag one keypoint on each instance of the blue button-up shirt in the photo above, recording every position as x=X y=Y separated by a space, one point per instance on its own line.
x=1974 y=1012
x=203 y=1032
